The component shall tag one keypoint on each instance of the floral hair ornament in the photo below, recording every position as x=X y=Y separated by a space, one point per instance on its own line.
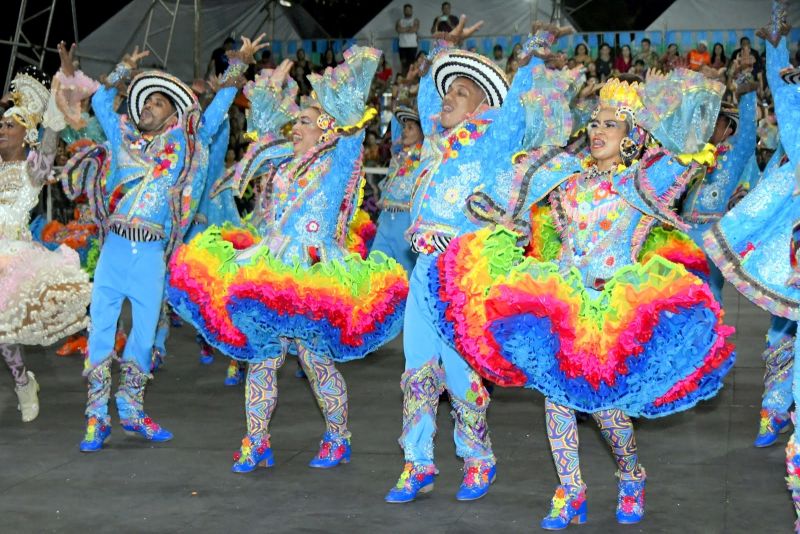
x=30 y=98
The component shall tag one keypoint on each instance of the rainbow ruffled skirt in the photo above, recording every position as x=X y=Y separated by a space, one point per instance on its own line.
x=650 y=344
x=343 y=309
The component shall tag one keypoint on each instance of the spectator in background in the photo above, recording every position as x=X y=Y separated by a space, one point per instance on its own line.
x=265 y=61
x=302 y=61
x=718 y=58
x=624 y=60
x=591 y=71
x=604 y=62
x=748 y=58
x=671 y=58
x=219 y=58
x=699 y=57
x=444 y=22
x=407 y=29
x=299 y=75
x=647 y=55
x=511 y=67
x=498 y=57
x=328 y=60
x=639 y=68
x=383 y=75
x=582 y=54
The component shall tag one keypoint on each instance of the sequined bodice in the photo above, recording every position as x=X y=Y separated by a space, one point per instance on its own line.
x=597 y=224
x=17 y=197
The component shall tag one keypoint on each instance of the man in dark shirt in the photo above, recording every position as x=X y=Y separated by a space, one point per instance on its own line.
x=444 y=22
x=219 y=60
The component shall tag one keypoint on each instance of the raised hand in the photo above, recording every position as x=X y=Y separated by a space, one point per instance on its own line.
x=655 y=75
x=280 y=74
x=249 y=47
x=557 y=31
x=771 y=37
x=461 y=32
x=67 y=58
x=132 y=60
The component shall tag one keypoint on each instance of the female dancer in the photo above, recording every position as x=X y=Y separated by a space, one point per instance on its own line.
x=297 y=288
x=603 y=321
x=43 y=294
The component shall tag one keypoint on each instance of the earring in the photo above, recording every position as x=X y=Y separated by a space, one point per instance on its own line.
x=627 y=149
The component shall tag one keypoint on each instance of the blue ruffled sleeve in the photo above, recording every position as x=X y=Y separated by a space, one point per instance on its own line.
x=508 y=121
x=215 y=114
x=777 y=59
x=680 y=109
x=745 y=136
x=270 y=106
x=429 y=103
x=787 y=100
x=103 y=106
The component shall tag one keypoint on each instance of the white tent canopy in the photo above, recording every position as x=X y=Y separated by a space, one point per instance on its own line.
x=720 y=15
x=104 y=47
x=500 y=17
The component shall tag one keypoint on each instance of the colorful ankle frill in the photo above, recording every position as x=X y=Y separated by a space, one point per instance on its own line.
x=478 y=476
x=333 y=450
x=568 y=506
x=415 y=479
x=255 y=451
x=630 y=500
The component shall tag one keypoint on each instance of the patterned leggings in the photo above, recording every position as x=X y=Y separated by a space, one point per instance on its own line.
x=12 y=354
x=327 y=383
x=562 y=432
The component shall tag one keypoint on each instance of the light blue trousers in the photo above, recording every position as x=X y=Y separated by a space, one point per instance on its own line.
x=431 y=365
x=389 y=238
x=126 y=270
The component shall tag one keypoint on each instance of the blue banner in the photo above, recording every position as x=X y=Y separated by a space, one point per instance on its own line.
x=291 y=47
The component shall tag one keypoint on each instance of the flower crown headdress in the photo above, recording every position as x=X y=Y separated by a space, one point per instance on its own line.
x=30 y=98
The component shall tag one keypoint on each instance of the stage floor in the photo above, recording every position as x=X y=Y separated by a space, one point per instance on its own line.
x=704 y=475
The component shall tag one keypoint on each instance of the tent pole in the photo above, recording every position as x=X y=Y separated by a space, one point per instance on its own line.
x=14 y=47
x=198 y=8
x=47 y=32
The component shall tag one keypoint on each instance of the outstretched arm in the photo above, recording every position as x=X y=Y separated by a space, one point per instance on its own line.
x=103 y=99
x=216 y=111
